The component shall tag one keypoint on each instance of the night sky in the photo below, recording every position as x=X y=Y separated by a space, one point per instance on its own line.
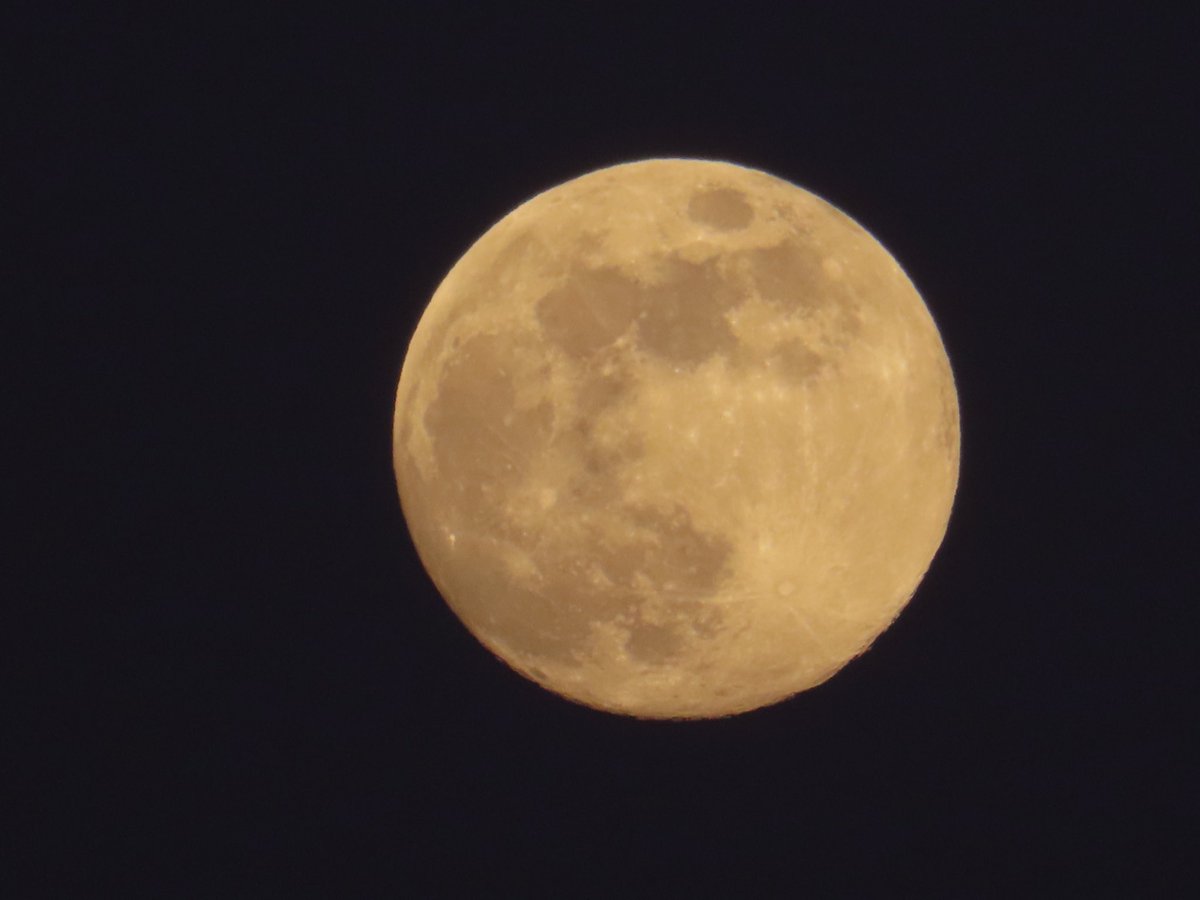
x=237 y=680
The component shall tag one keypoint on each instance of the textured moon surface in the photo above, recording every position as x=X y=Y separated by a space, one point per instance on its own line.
x=676 y=439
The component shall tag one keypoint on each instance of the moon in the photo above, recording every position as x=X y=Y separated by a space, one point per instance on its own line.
x=676 y=439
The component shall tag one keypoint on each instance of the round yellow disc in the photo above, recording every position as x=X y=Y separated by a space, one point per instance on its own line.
x=676 y=439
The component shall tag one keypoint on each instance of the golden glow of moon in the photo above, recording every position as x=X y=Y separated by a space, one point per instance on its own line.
x=676 y=439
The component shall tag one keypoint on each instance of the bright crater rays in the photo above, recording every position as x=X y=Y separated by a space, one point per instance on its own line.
x=676 y=439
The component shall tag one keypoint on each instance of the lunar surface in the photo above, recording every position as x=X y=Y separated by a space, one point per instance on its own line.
x=676 y=439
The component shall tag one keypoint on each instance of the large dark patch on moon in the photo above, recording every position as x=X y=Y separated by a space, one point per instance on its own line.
x=678 y=313
x=724 y=209
x=648 y=570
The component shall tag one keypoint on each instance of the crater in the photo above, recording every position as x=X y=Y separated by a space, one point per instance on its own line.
x=724 y=209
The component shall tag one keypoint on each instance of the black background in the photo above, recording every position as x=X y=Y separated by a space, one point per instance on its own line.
x=240 y=683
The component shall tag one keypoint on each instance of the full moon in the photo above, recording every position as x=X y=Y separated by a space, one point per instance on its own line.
x=676 y=439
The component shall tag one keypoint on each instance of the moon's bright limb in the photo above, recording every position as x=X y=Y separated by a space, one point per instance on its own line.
x=676 y=439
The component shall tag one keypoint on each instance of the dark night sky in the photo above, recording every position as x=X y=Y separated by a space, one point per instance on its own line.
x=238 y=681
